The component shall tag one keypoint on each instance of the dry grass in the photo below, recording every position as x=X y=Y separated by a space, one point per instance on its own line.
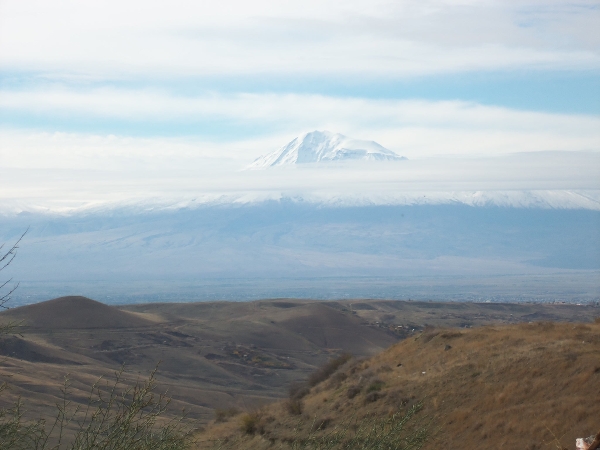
x=117 y=417
x=529 y=386
x=399 y=431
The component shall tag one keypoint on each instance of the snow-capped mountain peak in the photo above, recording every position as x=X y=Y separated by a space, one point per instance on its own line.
x=318 y=146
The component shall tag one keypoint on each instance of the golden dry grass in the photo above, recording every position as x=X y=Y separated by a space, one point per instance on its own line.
x=524 y=386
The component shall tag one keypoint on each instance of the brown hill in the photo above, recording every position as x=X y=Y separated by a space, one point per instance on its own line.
x=327 y=327
x=220 y=355
x=524 y=386
x=74 y=312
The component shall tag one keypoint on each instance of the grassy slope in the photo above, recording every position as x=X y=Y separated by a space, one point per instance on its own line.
x=497 y=387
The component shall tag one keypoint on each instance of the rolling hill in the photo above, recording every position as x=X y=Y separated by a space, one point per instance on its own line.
x=222 y=355
x=73 y=312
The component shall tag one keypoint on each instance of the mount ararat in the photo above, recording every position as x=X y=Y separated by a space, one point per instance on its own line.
x=321 y=146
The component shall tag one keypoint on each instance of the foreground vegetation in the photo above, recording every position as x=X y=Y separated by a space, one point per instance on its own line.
x=400 y=431
x=117 y=417
x=122 y=417
x=371 y=433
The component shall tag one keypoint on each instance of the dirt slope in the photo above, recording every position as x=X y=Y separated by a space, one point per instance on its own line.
x=497 y=387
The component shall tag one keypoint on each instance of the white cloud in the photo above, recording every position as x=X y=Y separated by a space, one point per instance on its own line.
x=410 y=127
x=383 y=38
x=64 y=172
x=158 y=42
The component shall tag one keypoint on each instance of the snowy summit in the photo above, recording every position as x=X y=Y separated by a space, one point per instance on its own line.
x=318 y=146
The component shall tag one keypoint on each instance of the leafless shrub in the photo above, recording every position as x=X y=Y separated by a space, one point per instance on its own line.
x=375 y=385
x=384 y=369
x=353 y=391
x=298 y=390
x=373 y=397
x=294 y=406
x=336 y=380
x=325 y=371
x=251 y=423
x=223 y=415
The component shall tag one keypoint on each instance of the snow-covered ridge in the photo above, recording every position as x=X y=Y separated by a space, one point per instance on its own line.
x=537 y=199
x=318 y=146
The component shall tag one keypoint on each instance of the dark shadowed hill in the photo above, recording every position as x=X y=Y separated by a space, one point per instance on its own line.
x=73 y=312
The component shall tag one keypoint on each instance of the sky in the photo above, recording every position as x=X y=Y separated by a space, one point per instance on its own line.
x=119 y=101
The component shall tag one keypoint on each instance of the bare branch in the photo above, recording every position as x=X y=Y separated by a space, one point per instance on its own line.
x=9 y=255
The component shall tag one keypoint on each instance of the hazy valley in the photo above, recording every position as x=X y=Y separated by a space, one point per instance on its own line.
x=303 y=250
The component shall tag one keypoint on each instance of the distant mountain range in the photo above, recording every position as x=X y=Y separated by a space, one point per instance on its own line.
x=320 y=146
x=287 y=248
